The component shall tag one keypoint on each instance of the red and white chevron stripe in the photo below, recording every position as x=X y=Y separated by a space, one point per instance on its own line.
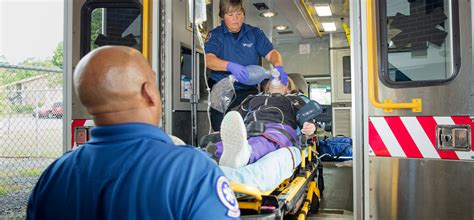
x=412 y=137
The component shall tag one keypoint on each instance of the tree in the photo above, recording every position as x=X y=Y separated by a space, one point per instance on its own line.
x=96 y=26
x=57 y=58
x=12 y=75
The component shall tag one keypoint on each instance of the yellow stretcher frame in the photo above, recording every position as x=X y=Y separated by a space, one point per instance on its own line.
x=289 y=191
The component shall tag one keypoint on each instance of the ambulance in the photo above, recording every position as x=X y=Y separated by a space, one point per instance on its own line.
x=395 y=76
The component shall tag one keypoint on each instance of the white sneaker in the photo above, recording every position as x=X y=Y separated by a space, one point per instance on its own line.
x=236 y=152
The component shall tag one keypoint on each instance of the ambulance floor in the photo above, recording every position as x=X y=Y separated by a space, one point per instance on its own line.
x=338 y=191
x=336 y=203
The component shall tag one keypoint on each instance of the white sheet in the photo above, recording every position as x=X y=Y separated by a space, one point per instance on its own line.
x=268 y=171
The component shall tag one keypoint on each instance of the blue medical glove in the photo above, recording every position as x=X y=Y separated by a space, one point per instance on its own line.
x=283 y=74
x=238 y=71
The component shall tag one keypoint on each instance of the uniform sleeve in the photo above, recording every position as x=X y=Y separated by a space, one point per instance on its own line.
x=35 y=206
x=213 y=198
x=213 y=43
x=263 y=45
x=30 y=212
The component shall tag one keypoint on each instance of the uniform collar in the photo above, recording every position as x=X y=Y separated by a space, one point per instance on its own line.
x=243 y=29
x=128 y=131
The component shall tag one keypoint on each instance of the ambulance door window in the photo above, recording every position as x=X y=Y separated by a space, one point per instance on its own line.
x=111 y=24
x=419 y=42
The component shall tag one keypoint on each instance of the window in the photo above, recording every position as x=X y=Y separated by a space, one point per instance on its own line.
x=346 y=74
x=111 y=24
x=320 y=93
x=420 y=44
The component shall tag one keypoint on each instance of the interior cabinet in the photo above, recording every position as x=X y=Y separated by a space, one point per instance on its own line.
x=341 y=75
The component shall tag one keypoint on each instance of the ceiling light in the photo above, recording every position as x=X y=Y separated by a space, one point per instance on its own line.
x=329 y=26
x=268 y=14
x=281 y=27
x=323 y=10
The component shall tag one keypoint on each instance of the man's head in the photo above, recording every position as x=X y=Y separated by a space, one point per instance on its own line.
x=233 y=14
x=117 y=85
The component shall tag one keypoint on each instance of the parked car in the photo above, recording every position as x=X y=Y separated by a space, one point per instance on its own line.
x=51 y=110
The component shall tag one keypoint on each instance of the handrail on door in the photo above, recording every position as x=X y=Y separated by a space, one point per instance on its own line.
x=387 y=105
x=145 y=28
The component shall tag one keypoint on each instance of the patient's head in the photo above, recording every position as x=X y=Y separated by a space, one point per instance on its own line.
x=270 y=87
x=117 y=85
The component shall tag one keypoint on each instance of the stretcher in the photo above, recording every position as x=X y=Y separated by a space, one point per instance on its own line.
x=296 y=196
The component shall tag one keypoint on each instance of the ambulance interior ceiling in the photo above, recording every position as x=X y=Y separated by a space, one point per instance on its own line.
x=303 y=51
x=291 y=13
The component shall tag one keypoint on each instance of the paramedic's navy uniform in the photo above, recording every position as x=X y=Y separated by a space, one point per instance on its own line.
x=132 y=171
x=245 y=48
x=250 y=45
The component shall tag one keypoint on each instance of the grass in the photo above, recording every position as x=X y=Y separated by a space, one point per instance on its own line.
x=31 y=172
x=3 y=191
x=27 y=172
x=7 y=187
x=24 y=143
x=5 y=174
x=18 y=153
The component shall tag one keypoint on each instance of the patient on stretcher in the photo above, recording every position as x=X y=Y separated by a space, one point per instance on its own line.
x=266 y=159
x=278 y=112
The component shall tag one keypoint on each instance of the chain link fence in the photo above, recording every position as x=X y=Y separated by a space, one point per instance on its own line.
x=31 y=131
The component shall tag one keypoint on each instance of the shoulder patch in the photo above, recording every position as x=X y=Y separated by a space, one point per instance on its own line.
x=208 y=37
x=227 y=197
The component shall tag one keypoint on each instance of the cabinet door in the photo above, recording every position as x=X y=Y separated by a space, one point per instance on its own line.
x=341 y=75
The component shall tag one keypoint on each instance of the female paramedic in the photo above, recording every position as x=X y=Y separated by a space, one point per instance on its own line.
x=234 y=45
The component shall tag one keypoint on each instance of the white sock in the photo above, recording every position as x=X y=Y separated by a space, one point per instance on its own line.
x=237 y=150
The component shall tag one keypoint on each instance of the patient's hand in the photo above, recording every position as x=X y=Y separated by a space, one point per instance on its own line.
x=308 y=128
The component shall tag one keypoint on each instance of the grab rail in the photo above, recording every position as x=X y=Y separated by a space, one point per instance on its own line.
x=309 y=11
x=145 y=34
x=387 y=105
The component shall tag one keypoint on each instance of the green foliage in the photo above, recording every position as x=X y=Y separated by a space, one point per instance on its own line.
x=26 y=108
x=13 y=75
x=7 y=187
x=3 y=105
x=55 y=80
x=31 y=172
x=57 y=58
x=96 y=26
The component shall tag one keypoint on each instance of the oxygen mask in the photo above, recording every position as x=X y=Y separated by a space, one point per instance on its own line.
x=275 y=86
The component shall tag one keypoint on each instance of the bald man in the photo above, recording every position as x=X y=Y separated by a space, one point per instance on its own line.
x=129 y=169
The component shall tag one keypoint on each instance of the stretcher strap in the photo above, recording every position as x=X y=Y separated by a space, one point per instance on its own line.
x=292 y=158
x=287 y=135
x=270 y=138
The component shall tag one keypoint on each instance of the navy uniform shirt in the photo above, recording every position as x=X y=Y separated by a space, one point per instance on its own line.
x=247 y=49
x=132 y=171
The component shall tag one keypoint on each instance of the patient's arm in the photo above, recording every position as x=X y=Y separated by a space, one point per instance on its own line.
x=268 y=171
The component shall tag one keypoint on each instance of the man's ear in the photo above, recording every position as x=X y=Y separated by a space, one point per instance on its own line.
x=149 y=93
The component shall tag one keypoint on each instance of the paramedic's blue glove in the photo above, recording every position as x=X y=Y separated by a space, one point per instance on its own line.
x=283 y=74
x=238 y=71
